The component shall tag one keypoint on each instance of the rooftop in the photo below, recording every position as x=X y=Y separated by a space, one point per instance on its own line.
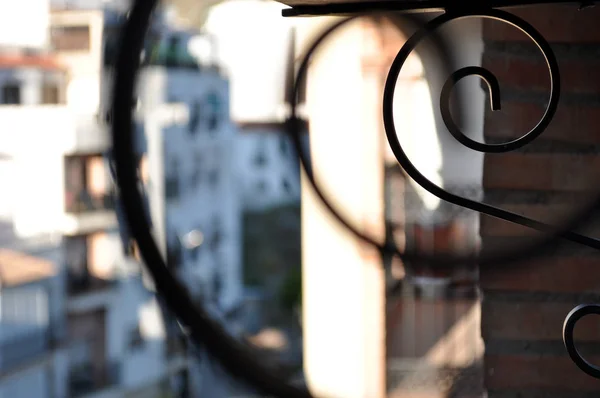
x=29 y=61
x=19 y=268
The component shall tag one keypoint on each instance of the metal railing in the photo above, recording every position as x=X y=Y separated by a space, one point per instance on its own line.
x=90 y=377
x=202 y=328
x=24 y=348
x=83 y=202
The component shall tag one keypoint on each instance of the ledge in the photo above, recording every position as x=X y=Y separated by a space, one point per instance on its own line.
x=349 y=7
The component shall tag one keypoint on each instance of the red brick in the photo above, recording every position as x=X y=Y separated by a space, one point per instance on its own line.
x=576 y=124
x=531 y=73
x=540 y=171
x=540 y=321
x=525 y=372
x=555 y=214
x=557 y=23
x=545 y=274
x=534 y=321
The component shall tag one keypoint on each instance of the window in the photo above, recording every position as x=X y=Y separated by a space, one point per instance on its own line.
x=87 y=184
x=287 y=187
x=260 y=157
x=197 y=173
x=136 y=340
x=214 y=104
x=217 y=287
x=70 y=38
x=213 y=177
x=172 y=187
x=283 y=146
x=76 y=258
x=50 y=93
x=172 y=182
x=194 y=117
x=261 y=187
x=11 y=94
x=217 y=235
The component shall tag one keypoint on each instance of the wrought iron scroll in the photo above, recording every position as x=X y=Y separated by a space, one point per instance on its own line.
x=237 y=358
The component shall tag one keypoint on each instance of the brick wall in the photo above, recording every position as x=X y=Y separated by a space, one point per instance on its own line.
x=523 y=310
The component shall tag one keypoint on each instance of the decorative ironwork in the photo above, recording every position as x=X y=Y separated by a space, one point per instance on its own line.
x=236 y=357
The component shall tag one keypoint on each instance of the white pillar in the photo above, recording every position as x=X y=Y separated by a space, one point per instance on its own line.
x=343 y=283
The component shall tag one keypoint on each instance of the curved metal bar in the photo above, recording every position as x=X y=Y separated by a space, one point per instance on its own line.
x=495 y=104
x=553 y=232
x=568 y=330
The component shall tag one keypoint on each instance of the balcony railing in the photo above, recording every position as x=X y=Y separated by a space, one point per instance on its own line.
x=85 y=284
x=91 y=377
x=23 y=347
x=83 y=202
x=174 y=346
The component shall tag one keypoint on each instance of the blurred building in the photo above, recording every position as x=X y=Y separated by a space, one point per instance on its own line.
x=192 y=185
x=259 y=74
x=187 y=161
x=146 y=358
x=268 y=166
x=59 y=204
x=33 y=344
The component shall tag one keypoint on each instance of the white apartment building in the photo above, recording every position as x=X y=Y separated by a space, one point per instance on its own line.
x=189 y=169
x=138 y=340
x=57 y=203
x=192 y=185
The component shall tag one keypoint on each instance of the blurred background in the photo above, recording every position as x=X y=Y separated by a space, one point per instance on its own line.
x=238 y=223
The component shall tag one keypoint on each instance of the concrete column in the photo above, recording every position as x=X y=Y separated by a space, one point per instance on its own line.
x=343 y=282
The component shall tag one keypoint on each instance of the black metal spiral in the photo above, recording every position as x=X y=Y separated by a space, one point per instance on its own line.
x=236 y=357
x=506 y=257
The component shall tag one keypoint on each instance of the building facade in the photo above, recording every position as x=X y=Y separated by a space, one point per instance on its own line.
x=192 y=185
x=60 y=205
x=33 y=333
x=268 y=167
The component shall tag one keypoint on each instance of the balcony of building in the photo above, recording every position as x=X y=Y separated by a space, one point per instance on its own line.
x=89 y=198
x=55 y=128
x=88 y=379
x=23 y=344
x=91 y=262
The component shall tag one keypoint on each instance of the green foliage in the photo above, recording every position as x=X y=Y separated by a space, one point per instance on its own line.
x=290 y=294
x=272 y=254
x=271 y=245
